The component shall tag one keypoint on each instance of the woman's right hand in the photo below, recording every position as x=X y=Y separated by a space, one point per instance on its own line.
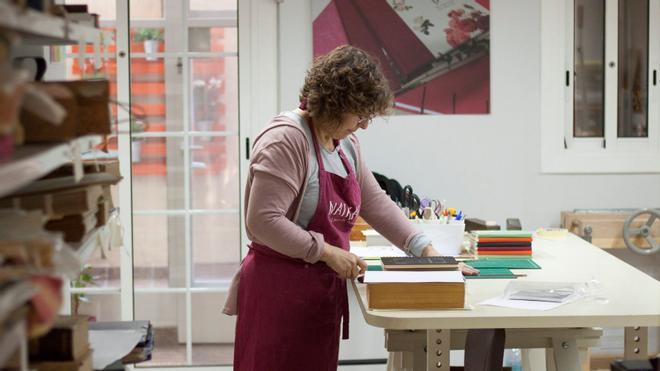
x=346 y=265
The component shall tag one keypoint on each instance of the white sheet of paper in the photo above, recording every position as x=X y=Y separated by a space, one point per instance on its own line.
x=521 y=304
x=111 y=345
x=412 y=277
x=377 y=251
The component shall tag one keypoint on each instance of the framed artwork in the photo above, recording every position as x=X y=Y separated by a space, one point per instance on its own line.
x=435 y=53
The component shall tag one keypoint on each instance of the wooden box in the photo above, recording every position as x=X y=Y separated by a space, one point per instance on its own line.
x=427 y=295
x=606 y=227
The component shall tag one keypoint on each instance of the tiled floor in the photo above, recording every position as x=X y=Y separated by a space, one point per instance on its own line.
x=169 y=352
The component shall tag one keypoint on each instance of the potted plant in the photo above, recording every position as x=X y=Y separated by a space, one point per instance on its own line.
x=137 y=126
x=151 y=37
x=85 y=279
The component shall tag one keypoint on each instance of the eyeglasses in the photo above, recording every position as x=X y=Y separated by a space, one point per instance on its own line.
x=364 y=120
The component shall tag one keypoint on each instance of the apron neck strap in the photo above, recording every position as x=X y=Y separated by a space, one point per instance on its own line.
x=335 y=142
x=317 y=149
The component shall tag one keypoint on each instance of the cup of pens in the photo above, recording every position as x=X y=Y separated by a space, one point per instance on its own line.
x=446 y=237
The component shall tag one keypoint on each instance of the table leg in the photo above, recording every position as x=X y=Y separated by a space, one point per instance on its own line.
x=550 y=364
x=437 y=346
x=585 y=358
x=533 y=359
x=566 y=355
x=394 y=361
x=636 y=343
x=407 y=350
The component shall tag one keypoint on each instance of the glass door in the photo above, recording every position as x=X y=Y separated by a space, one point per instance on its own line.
x=176 y=64
x=185 y=175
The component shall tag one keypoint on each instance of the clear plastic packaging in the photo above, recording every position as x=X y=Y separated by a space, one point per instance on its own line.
x=553 y=292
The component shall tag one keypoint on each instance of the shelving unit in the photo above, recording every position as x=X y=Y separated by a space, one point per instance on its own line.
x=37 y=28
x=31 y=162
x=12 y=339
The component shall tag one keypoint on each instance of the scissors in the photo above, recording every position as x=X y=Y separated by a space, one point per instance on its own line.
x=410 y=201
x=434 y=204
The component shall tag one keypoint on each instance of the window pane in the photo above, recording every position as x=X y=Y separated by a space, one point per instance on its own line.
x=213 y=5
x=589 y=56
x=212 y=334
x=159 y=253
x=156 y=93
x=101 y=307
x=145 y=9
x=214 y=97
x=216 y=249
x=213 y=39
x=105 y=9
x=215 y=178
x=157 y=173
x=167 y=312
x=633 y=68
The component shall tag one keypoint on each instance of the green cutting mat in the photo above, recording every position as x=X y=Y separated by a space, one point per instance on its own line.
x=493 y=273
x=374 y=267
x=503 y=263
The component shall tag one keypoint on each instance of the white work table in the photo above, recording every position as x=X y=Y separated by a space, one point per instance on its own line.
x=631 y=300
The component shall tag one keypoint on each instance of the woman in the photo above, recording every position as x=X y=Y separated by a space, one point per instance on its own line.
x=306 y=185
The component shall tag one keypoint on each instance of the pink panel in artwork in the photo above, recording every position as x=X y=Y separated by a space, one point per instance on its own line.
x=463 y=91
x=412 y=98
x=375 y=27
x=406 y=51
x=328 y=30
x=484 y=3
x=361 y=35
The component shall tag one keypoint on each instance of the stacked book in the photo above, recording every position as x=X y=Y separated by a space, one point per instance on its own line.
x=409 y=282
x=71 y=207
x=64 y=348
x=508 y=244
x=415 y=289
x=414 y=263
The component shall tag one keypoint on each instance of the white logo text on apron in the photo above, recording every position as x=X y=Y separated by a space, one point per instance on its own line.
x=339 y=211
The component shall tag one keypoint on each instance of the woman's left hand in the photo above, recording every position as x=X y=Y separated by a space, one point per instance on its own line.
x=464 y=268
x=467 y=270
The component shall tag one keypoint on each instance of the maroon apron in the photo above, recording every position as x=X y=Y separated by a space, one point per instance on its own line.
x=289 y=311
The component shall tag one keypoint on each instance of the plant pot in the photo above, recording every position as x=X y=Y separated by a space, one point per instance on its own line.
x=151 y=47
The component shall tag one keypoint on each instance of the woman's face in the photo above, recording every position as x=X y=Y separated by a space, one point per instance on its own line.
x=349 y=124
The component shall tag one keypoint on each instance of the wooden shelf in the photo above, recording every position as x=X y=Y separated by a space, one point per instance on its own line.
x=31 y=162
x=37 y=28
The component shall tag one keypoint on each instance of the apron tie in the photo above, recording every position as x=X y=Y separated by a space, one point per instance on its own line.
x=345 y=315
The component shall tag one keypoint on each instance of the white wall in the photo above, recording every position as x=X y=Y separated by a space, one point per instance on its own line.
x=490 y=166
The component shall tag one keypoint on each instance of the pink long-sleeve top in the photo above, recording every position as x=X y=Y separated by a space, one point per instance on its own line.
x=276 y=183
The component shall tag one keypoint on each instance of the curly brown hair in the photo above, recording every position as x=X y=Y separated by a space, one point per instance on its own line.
x=346 y=80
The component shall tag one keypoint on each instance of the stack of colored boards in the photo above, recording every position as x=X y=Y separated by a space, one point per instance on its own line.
x=505 y=244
